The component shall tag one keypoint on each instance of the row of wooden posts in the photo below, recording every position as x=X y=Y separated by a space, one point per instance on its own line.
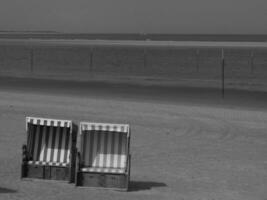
x=145 y=63
x=145 y=59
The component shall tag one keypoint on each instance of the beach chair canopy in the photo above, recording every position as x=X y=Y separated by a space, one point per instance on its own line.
x=104 y=147
x=49 y=141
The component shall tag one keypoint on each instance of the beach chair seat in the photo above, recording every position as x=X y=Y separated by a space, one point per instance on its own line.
x=104 y=170
x=103 y=155
x=48 y=163
x=50 y=149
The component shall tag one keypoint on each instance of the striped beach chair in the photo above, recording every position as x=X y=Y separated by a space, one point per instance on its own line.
x=103 y=155
x=50 y=149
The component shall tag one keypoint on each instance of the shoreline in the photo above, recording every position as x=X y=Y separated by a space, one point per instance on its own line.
x=134 y=43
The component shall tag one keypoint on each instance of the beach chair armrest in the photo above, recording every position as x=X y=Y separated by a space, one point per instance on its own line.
x=25 y=154
x=72 y=152
x=79 y=164
x=128 y=164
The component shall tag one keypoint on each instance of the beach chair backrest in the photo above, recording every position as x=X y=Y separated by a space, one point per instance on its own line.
x=49 y=141
x=104 y=145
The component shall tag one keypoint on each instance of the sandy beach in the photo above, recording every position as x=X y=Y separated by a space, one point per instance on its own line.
x=182 y=147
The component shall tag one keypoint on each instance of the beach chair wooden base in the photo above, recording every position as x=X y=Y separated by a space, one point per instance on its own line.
x=46 y=172
x=103 y=180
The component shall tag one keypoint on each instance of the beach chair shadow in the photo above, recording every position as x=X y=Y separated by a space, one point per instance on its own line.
x=7 y=190
x=144 y=185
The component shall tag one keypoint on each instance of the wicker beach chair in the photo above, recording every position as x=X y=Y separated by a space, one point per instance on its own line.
x=103 y=156
x=50 y=149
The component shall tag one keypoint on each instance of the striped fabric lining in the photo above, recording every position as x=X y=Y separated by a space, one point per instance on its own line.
x=49 y=144
x=103 y=170
x=104 y=149
x=48 y=122
x=122 y=128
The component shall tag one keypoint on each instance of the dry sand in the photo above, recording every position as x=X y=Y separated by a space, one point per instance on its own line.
x=186 y=143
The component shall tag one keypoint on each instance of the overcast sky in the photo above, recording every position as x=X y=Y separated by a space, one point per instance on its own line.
x=136 y=16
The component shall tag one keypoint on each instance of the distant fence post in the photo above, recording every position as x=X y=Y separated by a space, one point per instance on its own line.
x=197 y=60
x=2 y=61
x=91 y=58
x=31 y=59
x=145 y=58
x=144 y=54
x=252 y=61
x=223 y=71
